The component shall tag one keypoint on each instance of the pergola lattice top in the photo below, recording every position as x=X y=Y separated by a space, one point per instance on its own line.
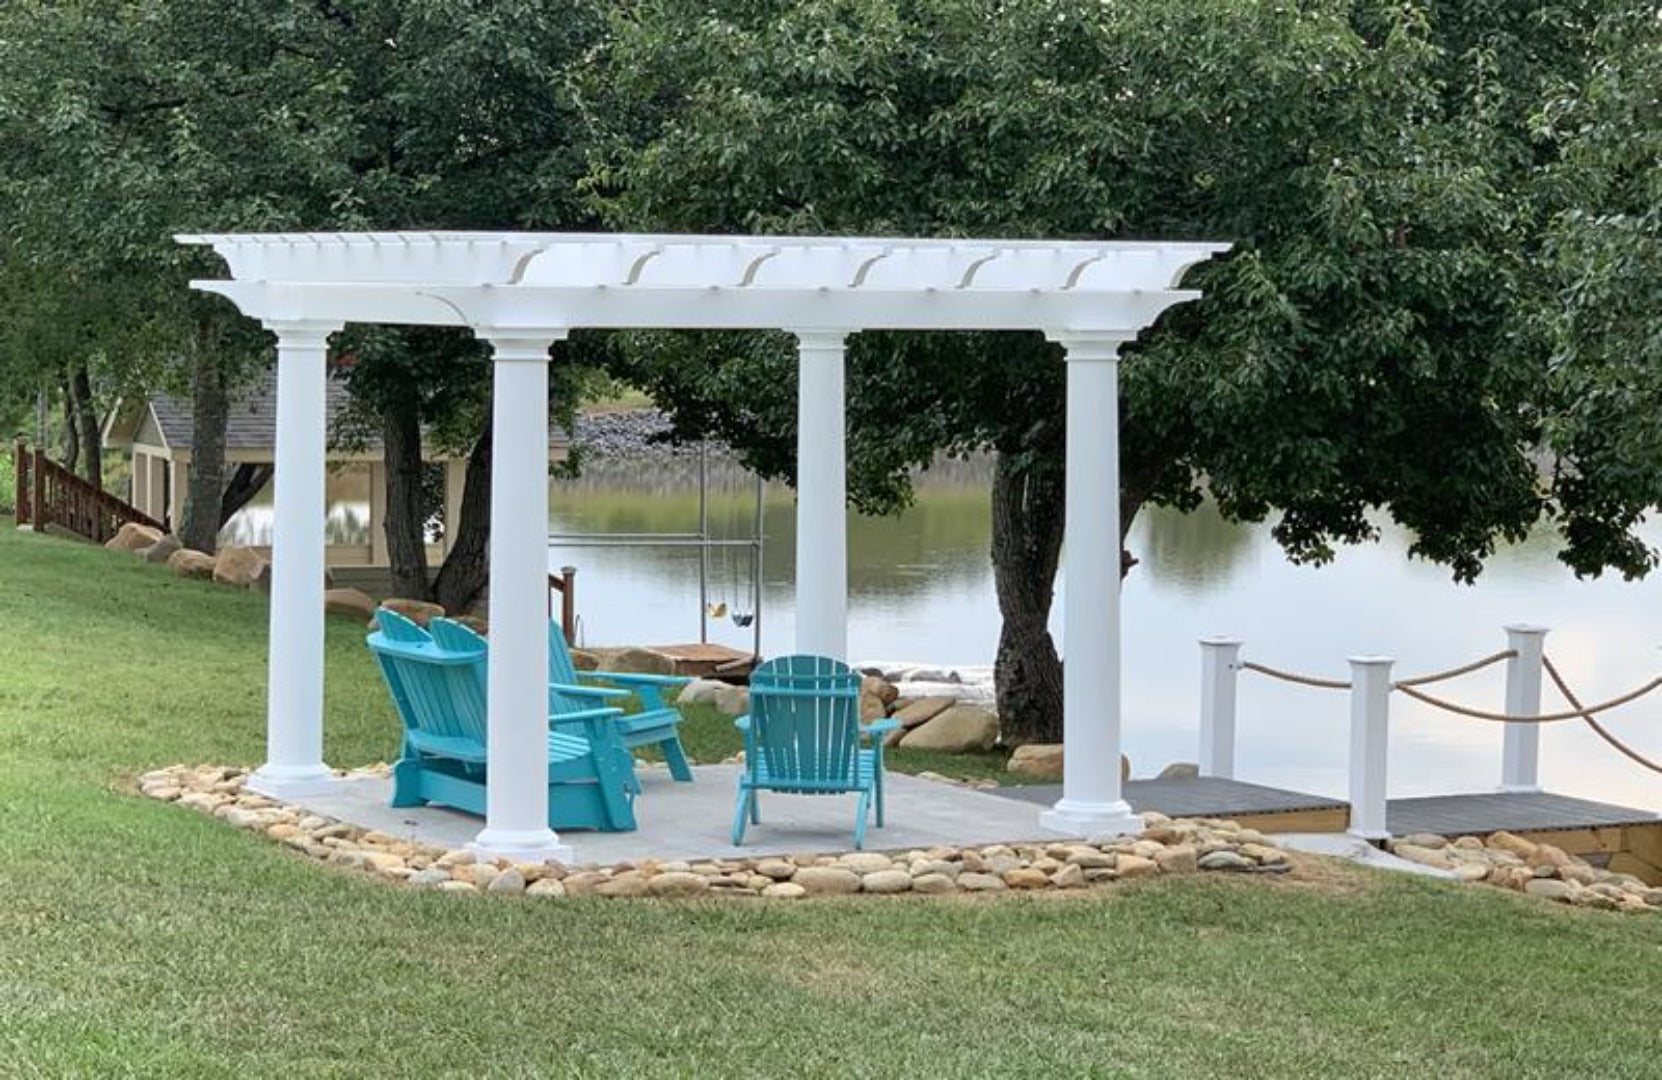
x=508 y=280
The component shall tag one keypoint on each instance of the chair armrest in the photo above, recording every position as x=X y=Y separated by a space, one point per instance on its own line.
x=742 y=723
x=626 y=677
x=586 y=716
x=599 y=692
x=880 y=727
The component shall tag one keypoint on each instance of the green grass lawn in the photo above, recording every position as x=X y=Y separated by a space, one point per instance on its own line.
x=140 y=939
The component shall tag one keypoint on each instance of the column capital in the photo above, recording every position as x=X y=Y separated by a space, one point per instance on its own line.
x=520 y=344
x=820 y=340
x=302 y=332
x=1091 y=344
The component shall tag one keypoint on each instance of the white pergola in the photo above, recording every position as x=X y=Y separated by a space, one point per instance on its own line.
x=522 y=292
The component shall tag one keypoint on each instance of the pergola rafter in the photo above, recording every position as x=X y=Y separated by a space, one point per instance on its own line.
x=521 y=292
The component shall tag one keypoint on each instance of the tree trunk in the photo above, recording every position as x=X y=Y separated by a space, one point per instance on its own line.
x=1027 y=545
x=466 y=570
x=71 y=426
x=245 y=483
x=92 y=441
x=406 y=502
x=210 y=412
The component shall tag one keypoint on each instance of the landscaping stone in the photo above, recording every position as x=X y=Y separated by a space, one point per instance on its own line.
x=784 y=890
x=700 y=692
x=133 y=537
x=886 y=881
x=1026 y=878
x=976 y=882
x=1178 y=859
x=1224 y=860
x=1425 y=840
x=732 y=700
x=583 y=660
x=546 y=887
x=507 y=882
x=1425 y=856
x=237 y=566
x=678 y=883
x=827 y=880
x=417 y=611
x=1136 y=866
x=641 y=662
x=161 y=551
x=1512 y=842
x=433 y=875
x=1179 y=770
x=957 y=730
x=865 y=862
x=1069 y=876
x=1037 y=759
x=932 y=884
x=350 y=602
x=190 y=563
x=1550 y=889
x=922 y=710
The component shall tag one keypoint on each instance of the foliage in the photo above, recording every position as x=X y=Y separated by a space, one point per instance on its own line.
x=149 y=940
x=1368 y=161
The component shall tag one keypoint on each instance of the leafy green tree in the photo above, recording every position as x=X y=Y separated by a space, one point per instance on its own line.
x=1353 y=354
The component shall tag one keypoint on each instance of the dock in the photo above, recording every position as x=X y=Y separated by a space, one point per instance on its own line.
x=1624 y=838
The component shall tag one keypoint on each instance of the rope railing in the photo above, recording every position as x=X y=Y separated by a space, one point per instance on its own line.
x=1544 y=718
x=1295 y=677
x=1454 y=673
x=1603 y=733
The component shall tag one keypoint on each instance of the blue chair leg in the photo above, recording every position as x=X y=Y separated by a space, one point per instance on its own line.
x=877 y=779
x=755 y=807
x=740 y=813
x=860 y=820
x=406 y=783
x=676 y=757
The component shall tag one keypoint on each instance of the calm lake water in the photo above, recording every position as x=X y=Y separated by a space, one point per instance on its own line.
x=921 y=589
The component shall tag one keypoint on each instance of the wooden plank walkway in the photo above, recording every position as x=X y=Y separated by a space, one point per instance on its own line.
x=1452 y=815
x=1512 y=811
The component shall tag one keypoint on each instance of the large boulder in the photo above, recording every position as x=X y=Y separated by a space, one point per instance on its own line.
x=133 y=537
x=583 y=660
x=1037 y=759
x=638 y=661
x=732 y=700
x=923 y=710
x=190 y=563
x=262 y=580
x=238 y=566
x=162 y=550
x=417 y=611
x=1179 y=770
x=959 y=729
x=350 y=602
x=700 y=692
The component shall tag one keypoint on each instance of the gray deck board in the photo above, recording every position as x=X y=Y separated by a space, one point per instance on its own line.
x=1512 y=811
x=1203 y=796
x=1209 y=796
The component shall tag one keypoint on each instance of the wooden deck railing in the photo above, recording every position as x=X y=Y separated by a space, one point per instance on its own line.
x=565 y=583
x=49 y=494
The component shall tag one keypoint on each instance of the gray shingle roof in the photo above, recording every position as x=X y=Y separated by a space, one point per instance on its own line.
x=252 y=424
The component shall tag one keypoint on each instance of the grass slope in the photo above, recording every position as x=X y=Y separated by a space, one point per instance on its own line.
x=139 y=939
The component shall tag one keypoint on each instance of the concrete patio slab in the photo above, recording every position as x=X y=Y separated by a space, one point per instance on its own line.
x=688 y=821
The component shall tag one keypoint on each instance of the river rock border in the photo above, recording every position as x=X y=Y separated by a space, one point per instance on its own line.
x=1166 y=847
x=1508 y=861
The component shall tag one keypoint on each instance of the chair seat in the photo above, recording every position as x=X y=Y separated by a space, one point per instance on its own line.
x=562 y=748
x=865 y=773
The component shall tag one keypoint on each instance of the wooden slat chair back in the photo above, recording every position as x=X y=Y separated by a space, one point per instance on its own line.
x=804 y=737
x=654 y=723
x=437 y=678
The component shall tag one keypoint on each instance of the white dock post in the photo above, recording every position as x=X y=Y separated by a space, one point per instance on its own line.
x=1520 y=768
x=1219 y=660
x=1370 y=722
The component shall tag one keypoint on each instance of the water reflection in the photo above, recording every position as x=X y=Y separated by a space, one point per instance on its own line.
x=921 y=589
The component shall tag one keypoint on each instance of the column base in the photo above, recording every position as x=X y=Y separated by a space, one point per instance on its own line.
x=1086 y=819
x=290 y=782
x=527 y=846
x=1370 y=835
x=1519 y=789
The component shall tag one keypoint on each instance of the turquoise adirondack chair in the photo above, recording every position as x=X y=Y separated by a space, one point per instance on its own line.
x=803 y=737
x=437 y=679
x=655 y=723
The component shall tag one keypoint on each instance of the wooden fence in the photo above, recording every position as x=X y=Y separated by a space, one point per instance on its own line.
x=49 y=494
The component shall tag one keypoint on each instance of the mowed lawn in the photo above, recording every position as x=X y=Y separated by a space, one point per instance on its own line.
x=140 y=939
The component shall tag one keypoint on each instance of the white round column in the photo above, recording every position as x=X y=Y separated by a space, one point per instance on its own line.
x=1092 y=802
x=1521 y=743
x=294 y=696
x=821 y=496
x=516 y=795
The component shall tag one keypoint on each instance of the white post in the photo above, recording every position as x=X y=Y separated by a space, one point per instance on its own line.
x=1370 y=725
x=1520 y=768
x=1092 y=802
x=1219 y=661
x=139 y=494
x=294 y=697
x=821 y=496
x=516 y=745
